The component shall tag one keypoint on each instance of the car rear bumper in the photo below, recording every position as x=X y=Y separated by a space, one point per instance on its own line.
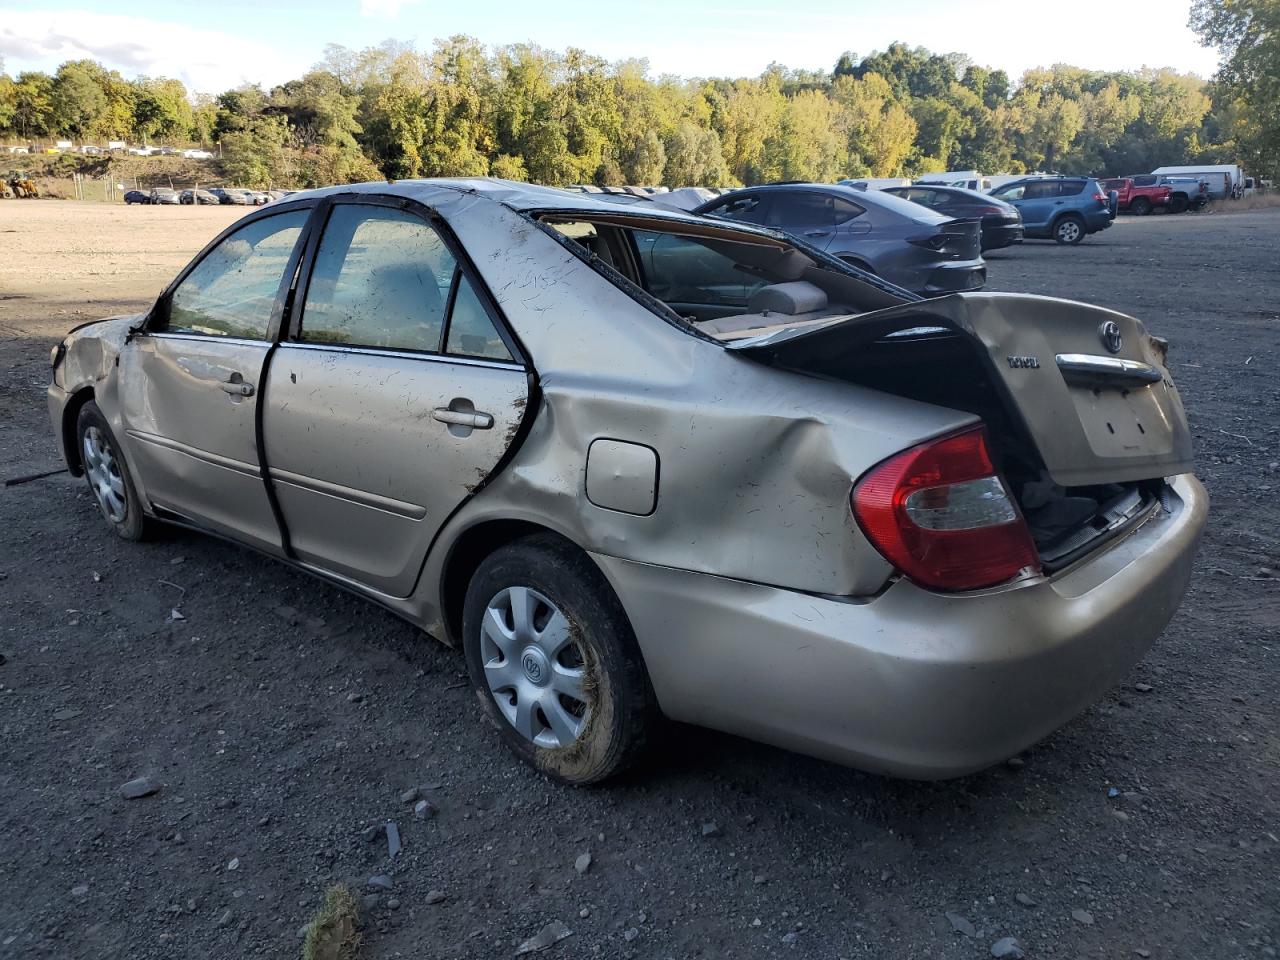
x=911 y=683
x=957 y=277
x=997 y=235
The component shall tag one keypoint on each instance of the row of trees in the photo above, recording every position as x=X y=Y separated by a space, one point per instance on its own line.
x=524 y=112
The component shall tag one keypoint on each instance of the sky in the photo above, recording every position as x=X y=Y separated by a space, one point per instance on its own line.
x=214 y=46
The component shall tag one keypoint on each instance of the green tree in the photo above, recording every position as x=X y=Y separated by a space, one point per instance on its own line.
x=161 y=109
x=78 y=101
x=33 y=104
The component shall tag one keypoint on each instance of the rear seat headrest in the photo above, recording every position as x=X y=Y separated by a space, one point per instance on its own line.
x=798 y=296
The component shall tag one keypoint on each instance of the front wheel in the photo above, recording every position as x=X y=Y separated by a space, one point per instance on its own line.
x=1178 y=205
x=1140 y=207
x=1069 y=230
x=554 y=661
x=108 y=476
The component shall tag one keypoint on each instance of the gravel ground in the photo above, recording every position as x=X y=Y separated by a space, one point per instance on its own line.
x=281 y=717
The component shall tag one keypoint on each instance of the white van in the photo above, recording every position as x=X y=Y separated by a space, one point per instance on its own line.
x=968 y=179
x=1224 y=179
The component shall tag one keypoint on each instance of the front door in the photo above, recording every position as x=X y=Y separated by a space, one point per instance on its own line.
x=392 y=400
x=190 y=383
x=1040 y=203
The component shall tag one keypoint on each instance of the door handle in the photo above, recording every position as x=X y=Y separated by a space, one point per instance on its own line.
x=236 y=386
x=816 y=233
x=460 y=418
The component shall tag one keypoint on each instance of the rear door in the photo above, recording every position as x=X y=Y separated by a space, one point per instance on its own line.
x=394 y=397
x=190 y=384
x=807 y=214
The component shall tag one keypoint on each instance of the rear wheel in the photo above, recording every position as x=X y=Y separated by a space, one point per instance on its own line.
x=108 y=476
x=1140 y=207
x=554 y=661
x=1069 y=230
x=1177 y=204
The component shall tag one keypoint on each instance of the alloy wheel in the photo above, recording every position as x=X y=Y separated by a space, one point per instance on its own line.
x=103 y=470
x=534 y=667
x=1069 y=231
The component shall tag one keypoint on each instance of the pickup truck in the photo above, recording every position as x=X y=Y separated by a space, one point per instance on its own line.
x=1138 y=200
x=1188 y=193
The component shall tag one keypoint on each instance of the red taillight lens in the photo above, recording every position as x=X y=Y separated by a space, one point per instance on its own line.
x=940 y=513
x=1102 y=196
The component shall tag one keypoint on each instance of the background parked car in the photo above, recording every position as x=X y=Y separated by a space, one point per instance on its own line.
x=1138 y=200
x=232 y=195
x=1065 y=209
x=903 y=242
x=198 y=196
x=1001 y=222
x=137 y=196
x=1185 y=193
x=164 y=195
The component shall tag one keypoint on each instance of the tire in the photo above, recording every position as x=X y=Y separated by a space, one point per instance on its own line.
x=1069 y=230
x=1177 y=204
x=1140 y=207
x=574 y=702
x=108 y=477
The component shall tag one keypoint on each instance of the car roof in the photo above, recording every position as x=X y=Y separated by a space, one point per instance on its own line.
x=891 y=203
x=522 y=197
x=942 y=188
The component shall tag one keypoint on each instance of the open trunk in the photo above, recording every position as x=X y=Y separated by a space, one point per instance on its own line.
x=1083 y=418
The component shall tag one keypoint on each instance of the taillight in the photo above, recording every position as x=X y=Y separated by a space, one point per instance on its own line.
x=934 y=241
x=1102 y=196
x=941 y=514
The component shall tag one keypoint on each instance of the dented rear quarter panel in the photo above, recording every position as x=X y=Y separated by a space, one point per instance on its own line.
x=756 y=465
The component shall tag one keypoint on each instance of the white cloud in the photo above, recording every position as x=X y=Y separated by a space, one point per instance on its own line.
x=385 y=8
x=208 y=61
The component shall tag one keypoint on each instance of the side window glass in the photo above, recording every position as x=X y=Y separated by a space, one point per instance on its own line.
x=232 y=291
x=846 y=211
x=801 y=210
x=471 y=332
x=1071 y=188
x=381 y=279
x=1015 y=192
x=748 y=209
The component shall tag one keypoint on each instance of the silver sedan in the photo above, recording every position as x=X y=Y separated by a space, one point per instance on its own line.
x=641 y=464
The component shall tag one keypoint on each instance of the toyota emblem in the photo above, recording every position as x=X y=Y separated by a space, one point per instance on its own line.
x=1109 y=334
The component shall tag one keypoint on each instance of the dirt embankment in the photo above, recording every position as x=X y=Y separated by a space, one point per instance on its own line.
x=55 y=174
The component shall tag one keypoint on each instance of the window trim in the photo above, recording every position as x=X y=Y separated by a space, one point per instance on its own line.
x=463 y=265
x=156 y=321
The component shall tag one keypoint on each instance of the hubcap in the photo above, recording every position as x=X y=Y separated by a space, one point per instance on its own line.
x=103 y=471
x=1069 y=230
x=534 y=667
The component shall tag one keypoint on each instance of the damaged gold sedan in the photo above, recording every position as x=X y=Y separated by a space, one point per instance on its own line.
x=638 y=464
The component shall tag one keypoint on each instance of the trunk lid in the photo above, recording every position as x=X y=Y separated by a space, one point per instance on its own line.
x=1087 y=386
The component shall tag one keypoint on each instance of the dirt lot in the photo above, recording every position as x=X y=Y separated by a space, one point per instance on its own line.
x=283 y=717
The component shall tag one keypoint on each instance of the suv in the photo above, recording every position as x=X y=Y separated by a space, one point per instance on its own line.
x=900 y=241
x=1065 y=209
